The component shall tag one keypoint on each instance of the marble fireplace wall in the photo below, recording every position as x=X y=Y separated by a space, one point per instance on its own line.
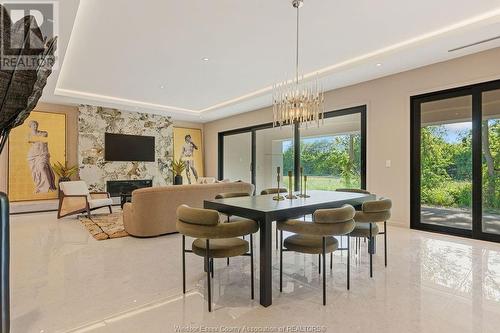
x=94 y=122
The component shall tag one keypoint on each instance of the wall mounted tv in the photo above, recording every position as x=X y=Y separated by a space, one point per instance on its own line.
x=122 y=147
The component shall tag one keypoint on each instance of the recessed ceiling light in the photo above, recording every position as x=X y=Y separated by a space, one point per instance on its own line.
x=204 y=59
x=162 y=86
x=379 y=64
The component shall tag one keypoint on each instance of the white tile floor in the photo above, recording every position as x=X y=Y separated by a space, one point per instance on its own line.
x=63 y=280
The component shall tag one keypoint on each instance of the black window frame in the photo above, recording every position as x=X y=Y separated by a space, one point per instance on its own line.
x=362 y=110
x=476 y=92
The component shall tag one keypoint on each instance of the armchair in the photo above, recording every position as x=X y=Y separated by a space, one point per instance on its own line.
x=75 y=198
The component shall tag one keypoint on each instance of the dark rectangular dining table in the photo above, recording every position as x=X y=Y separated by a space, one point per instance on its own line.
x=265 y=210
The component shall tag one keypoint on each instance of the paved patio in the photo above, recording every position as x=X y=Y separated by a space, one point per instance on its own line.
x=459 y=218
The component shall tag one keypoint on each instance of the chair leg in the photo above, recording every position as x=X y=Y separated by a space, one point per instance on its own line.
x=281 y=261
x=88 y=211
x=331 y=260
x=370 y=250
x=183 y=264
x=110 y=211
x=324 y=270
x=209 y=291
x=319 y=263
x=228 y=261
x=356 y=244
x=348 y=262
x=212 y=267
x=385 y=243
x=251 y=265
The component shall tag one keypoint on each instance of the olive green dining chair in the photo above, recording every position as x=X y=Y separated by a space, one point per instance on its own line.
x=372 y=212
x=214 y=240
x=317 y=237
x=274 y=190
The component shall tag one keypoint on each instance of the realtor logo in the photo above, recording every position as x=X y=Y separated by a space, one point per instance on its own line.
x=33 y=24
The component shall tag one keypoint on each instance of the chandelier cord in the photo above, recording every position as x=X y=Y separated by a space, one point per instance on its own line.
x=297 y=52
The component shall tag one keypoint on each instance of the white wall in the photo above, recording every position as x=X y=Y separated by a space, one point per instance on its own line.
x=388 y=120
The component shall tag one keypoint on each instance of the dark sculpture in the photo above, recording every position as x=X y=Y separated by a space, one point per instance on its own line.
x=20 y=89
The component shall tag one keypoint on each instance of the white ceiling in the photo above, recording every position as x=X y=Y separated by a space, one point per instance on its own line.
x=122 y=52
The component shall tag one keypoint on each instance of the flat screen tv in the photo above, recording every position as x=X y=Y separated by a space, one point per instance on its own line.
x=122 y=147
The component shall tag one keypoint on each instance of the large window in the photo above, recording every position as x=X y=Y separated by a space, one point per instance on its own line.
x=456 y=161
x=332 y=155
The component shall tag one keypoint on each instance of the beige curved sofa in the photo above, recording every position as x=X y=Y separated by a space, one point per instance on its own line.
x=152 y=211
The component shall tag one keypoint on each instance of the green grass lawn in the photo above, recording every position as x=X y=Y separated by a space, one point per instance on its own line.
x=327 y=183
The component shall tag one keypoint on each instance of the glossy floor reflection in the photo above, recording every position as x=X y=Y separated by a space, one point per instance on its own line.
x=63 y=280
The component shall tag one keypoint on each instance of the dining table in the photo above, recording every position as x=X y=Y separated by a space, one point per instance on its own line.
x=264 y=210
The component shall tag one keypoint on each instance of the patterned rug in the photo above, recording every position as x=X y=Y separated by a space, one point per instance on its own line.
x=104 y=226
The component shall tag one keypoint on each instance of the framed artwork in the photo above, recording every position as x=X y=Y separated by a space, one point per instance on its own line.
x=33 y=148
x=188 y=146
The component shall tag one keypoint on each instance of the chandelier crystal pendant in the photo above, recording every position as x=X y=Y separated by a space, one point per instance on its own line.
x=299 y=100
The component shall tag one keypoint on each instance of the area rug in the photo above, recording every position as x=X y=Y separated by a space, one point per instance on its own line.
x=104 y=226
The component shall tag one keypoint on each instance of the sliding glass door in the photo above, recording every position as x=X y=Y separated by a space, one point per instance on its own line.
x=332 y=155
x=455 y=161
x=274 y=147
x=490 y=142
x=238 y=157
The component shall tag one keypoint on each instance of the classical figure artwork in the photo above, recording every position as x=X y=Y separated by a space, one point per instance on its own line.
x=39 y=159
x=33 y=148
x=95 y=121
x=188 y=148
x=187 y=155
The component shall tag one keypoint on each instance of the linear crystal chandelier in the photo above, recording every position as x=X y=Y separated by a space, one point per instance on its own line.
x=298 y=101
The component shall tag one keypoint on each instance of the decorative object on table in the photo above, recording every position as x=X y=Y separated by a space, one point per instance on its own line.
x=178 y=168
x=303 y=179
x=188 y=147
x=104 y=226
x=300 y=100
x=33 y=147
x=305 y=195
x=290 y=194
x=26 y=62
x=278 y=196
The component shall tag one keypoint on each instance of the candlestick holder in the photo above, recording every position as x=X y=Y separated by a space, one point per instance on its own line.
x=278 y=196
x=290 y=193
x=301 y=194
x=305 y=195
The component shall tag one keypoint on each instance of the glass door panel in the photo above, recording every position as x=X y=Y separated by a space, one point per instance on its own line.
x=274 y=147
x=446 y=163
x=238 y=157
x=490 y=142
x=331 y=154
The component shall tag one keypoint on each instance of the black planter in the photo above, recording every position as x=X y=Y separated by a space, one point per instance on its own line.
x=178 y=180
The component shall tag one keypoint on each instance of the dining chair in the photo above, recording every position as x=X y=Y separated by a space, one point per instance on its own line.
x=371 y=213
x=274 y=190
x=317 y=237
x=232 y=218
x=214 y=240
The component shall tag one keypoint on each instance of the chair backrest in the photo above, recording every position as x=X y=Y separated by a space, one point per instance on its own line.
x=78 y=187
x=231 y=195
x=273 y=190
x=353 y=190
x=334 y=221
x=375 y=211
x=198 y=216
x=377 y=206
